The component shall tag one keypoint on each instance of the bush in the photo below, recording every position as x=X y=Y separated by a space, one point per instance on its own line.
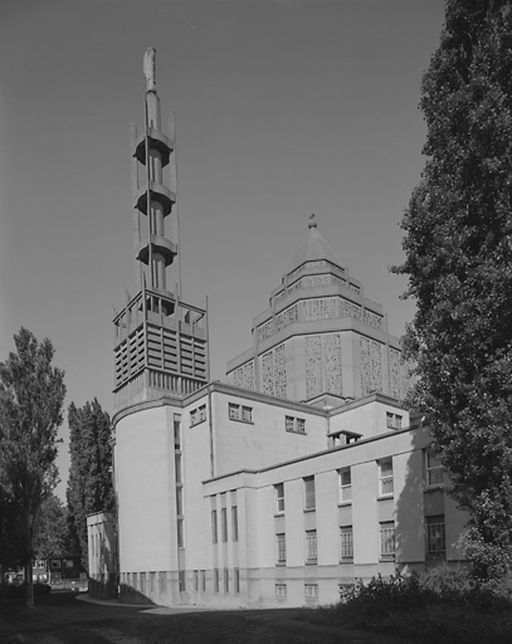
x=12 y=591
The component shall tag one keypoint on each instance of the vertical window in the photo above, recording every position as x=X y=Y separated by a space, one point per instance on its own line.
x=279 y=498
x=224 y=524
x=433 y=468
x=196 y=580
x=179 y=532
x=289 y=423
x=181 y=581
x=176 y=428
x=216 y=581
x=162 y=582
x=234 y=522
x=311 y=549
x=393 y=421
x=280 y=591
x=346 y=542
x=386 y=477
x=236 y=580
x=202 y=413
x=247 y=414
x=233 y=411
x=387 y=540
x=203 y=580
x=309 y=493
x=226 y=580
x=311 y=591
x=281 y=548
x=179 y=500
x=436 y=540
x=345 y=483
x=215 y=536
x=301 y=426
x=177 y=465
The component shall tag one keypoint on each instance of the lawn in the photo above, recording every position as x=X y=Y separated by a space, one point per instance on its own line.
x=61 y=618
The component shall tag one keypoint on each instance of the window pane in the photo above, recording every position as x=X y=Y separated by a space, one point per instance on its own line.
x=234 y=523
x=309 y=487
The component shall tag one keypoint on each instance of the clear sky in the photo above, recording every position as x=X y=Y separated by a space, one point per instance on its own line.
x=283 y=108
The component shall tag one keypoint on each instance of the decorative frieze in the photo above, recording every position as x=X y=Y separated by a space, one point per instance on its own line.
x=243 y=376
x=267 y=373
x=273 y=372
x=323 y=367
x=371 y=365
x=373 y=319
x=395 y=373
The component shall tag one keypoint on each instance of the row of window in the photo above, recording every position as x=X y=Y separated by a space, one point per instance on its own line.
x=146 y=582
x=435 y=542
x=433 y=476
x=224 y=525
x=310 y=591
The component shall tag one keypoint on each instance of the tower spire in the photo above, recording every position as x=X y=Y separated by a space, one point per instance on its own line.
x=154 y=200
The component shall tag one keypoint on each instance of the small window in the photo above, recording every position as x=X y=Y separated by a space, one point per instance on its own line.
x=386 y=477
x=345 y=483
x=309 y=493
x=224 y=524
x=196 y=580
x=179 y=500
x=311 y=546
x=234 y=522
x=346 y=542
x=247 y=414
x=281 y=548
x=203 y=581
x=179 y=533
x=434 y=474
x=177 y=432
x=280 y=592
x=226 y=580
x=182 y=581
x=197 y=415
x=240 y=413
x=216 y=580
x=234 y=411
x=393 y=421
x=236 y=580
x=295 y=425
x=435 y=537
x=311 y=591
x=387 y=540
x=289 y=423
x=215 y=536
x=279 y=498
x=177 y=467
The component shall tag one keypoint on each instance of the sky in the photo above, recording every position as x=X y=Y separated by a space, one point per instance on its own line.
x=282 y=108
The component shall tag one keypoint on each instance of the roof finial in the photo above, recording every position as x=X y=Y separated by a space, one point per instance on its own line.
x=312 y=223
x=149 y=69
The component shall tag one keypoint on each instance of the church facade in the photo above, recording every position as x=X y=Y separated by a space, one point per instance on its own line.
x=301 y=472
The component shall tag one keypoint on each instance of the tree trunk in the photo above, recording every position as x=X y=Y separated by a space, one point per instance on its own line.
x=29 y=586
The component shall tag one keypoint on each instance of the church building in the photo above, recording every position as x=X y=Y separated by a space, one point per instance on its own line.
x=297 y=475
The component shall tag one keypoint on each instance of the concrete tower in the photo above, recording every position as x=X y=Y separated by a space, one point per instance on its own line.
x=160 y=341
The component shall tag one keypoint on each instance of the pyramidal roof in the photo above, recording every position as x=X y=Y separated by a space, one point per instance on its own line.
x=316 y=248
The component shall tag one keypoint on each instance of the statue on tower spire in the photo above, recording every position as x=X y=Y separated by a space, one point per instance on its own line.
x=149 y=69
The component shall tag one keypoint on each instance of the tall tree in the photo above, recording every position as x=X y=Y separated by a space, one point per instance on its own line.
x=50 y=533
x=90 y=487
x=31 y=395
x=458 y=246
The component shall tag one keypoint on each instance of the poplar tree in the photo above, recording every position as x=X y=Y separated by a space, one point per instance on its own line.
x=31 y=395
x=90 y=487
x=458 y=246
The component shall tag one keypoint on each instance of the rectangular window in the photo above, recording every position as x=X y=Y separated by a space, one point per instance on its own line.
x=181 y=581
x=393 y=421
x=311 y=591
x=281 y=548
x=216 y=580
x=151 y=582
x=279 y=498
x=387 y=540
x=179 y=500
x=386 y=477
x=345 y=483
x=240 y=413
x=236 y=580
x=179 y=532
x=202 y=413
x=177 y=467
x=196 y=580
x=226 y=580
x=435 y=537
x=346 y=542
x=309 y=493
x=162 y=582
x=224 y=524
x=234 y=523
x=177 y=432
x=433 y=469
x=203 y=580
x=295 y=425
x=215 y=536
x=280 y=591
x=311 y=549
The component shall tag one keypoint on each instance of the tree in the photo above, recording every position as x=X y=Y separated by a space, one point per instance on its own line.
x=458 y=246
x=90 y=486
x=31 y=395
x=50 y=533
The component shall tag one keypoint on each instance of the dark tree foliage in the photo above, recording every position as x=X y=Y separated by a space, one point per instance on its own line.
x=50 y=534
x=90 y=486
x=458 y=247
x=31 y=395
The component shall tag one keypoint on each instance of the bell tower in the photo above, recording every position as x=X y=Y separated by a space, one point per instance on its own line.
x=161 y=342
